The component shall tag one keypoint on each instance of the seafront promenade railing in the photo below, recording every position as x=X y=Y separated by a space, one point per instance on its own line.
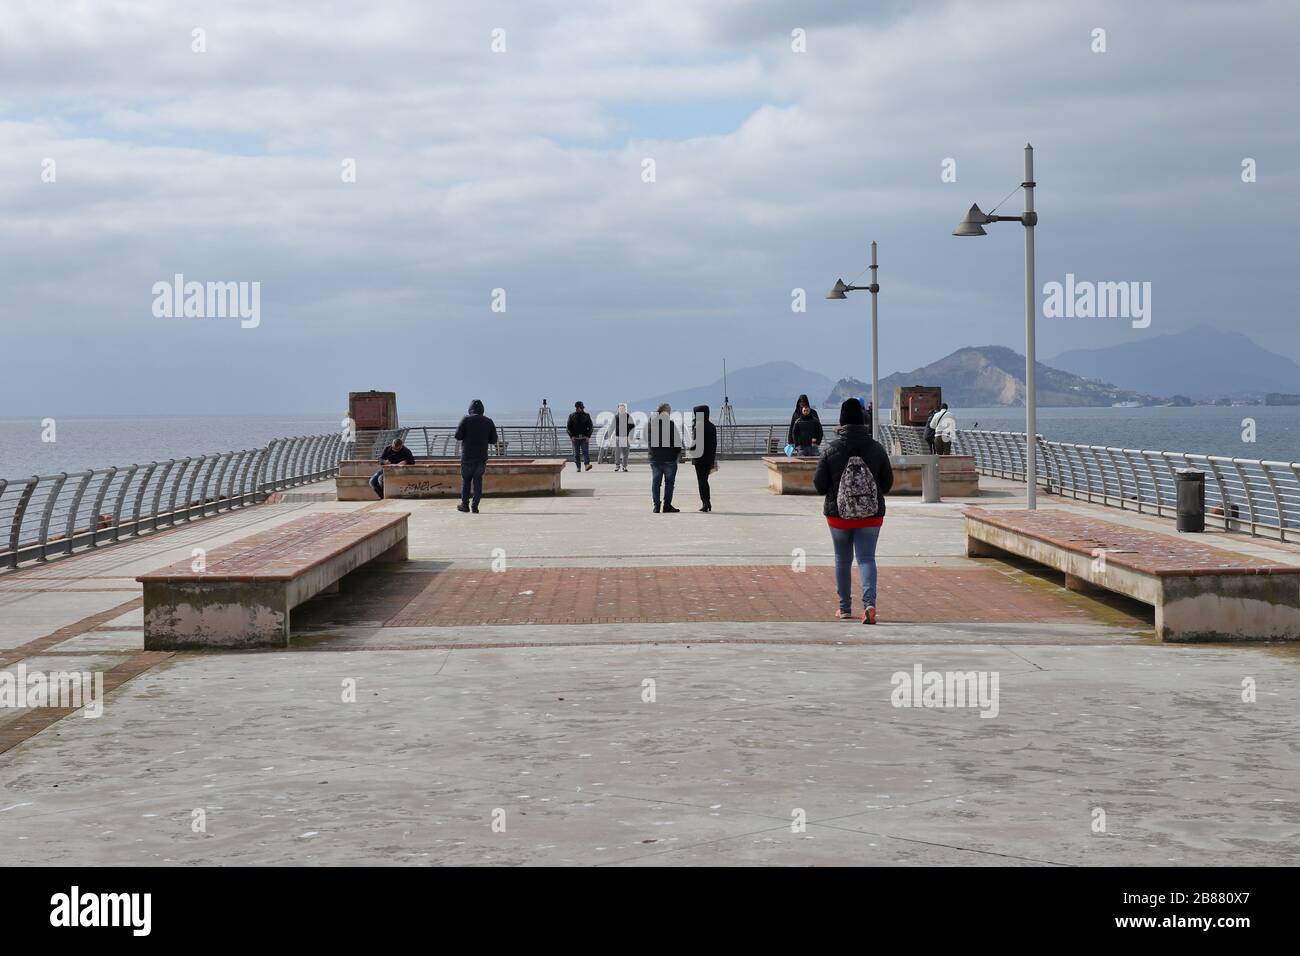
x=532 y=441
x=49 y=515
x=1241 y=494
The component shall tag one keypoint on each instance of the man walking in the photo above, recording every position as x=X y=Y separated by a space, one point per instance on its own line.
x=620 y=433
x=665 y=448
x=704 y=454
x=395 y=454
x=579 y=429
x=475 y=433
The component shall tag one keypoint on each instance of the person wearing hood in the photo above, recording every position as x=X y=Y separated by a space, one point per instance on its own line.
x=475 y=433
x=579 y=428
x=798 y=410
x=855 y=475
x=620 y=433
x=807 y=433
x=704 y=453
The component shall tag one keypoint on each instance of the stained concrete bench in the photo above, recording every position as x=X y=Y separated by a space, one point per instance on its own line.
x=440 y=478
x=244 y=593
x=1199 y=593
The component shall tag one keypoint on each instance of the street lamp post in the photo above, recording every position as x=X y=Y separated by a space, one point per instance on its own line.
x=973 y=225
x=838 y=292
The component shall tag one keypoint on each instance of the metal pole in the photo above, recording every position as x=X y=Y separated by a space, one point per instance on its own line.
x=875 y=367
x=1031 y=311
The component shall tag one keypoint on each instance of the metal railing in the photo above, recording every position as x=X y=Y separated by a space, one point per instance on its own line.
x=532 y=441
x=50 y=515
x=1241 y=494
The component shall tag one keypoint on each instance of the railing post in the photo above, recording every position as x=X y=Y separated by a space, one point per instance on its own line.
x=1246 y=491
x=121 y=500
x=157 y=494
x=43 y=532
x=139 y=497
x=99 y=503
x=71 y=528
x=1277 y=497
x=20 y=510
x=199 y=464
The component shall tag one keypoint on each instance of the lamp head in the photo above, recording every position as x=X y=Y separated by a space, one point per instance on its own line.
x=838 y=291
x=973 y=224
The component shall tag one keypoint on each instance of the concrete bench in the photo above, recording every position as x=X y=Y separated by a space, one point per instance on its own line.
x=440 y=478
x=244 y=593
x=1199 y=593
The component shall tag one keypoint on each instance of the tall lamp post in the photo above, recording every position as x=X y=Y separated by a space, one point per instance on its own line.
x=973 y=225
x=838 y=292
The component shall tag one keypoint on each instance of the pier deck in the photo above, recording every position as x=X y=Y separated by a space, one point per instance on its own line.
x=520 y=695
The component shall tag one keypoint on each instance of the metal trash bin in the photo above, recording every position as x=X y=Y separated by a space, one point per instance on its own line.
x=1190 y=486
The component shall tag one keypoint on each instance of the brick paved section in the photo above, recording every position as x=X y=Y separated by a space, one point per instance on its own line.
x=283 y=553
x=1148 y=552
x=720 y=593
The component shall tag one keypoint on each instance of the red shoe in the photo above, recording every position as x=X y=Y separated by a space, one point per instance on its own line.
x=869 y=615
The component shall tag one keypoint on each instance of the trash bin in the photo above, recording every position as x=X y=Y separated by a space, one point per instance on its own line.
x=1190 y=485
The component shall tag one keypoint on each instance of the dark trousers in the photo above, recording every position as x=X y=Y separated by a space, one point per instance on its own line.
x=377 y=483
x=665 y=471
x=702 y=479
x=471 y=478
x=580 y=456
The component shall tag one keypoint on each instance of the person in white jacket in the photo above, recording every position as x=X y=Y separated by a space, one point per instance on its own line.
x=620 y=436
x=943 y=426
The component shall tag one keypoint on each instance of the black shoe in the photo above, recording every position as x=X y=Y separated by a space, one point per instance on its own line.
x=475 y=510
x=670 y=510
x=462 y=507
x=705 y=509
x=656 y=509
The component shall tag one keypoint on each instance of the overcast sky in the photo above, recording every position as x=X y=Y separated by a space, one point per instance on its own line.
x=524 y=170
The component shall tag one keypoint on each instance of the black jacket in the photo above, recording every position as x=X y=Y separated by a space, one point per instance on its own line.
x=579 y=425
x=706 y=448
x=475 y=433
x=403 y=455
x=789 y=436
x=852 y=440
x=621 y=426
x=663 y=438
x=806 y=430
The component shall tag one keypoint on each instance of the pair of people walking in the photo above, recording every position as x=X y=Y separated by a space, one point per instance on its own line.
x=665 y=446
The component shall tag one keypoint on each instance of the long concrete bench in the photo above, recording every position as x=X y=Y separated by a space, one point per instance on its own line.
x=241 y=594
x=1199 y=593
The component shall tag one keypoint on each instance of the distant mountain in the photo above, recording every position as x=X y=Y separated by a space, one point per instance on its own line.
x=992 y=375
x=771 y=385
x=1202 y=363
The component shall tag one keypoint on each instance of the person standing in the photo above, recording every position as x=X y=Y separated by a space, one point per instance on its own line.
x=807 y=433
x=579 y=429
x=704 y=454
x=395 y=454
x=665 y=443
x=798 y=412
x=475 y=433
x=939 y=431
x=620 y=433
x=855 y=475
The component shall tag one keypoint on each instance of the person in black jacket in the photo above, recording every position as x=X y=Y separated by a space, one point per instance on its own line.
x=475 y=433
x=798 y=410
x=704 y=453
x=621 y=427
x=395 y=454
x=665 y=444
x=579 y=429
x=807 y=433
x=854 y=535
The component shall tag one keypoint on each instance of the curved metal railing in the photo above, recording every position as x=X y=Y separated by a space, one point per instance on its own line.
x=532 y=441
x=50 y=515
x=1241 y=494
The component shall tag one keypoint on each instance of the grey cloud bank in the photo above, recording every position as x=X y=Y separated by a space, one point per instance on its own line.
x=522 y=170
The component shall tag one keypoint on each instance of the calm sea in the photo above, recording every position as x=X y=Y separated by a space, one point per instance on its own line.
x=82 y=443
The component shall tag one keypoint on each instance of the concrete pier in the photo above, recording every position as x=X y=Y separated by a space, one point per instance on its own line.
x=575 y=680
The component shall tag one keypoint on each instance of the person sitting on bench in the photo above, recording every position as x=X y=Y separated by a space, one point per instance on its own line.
x=395 y=454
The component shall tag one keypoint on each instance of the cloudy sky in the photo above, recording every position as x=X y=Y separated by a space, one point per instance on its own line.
x=524 y=169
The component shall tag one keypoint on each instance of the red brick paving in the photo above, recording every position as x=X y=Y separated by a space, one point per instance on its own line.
x=719 y=593
x=1149 y=552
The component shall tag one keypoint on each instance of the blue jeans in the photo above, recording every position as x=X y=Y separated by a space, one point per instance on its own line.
x=847 y=541
x=471 y=479
x=377 y=483
x=665 y=471
x=580 y=452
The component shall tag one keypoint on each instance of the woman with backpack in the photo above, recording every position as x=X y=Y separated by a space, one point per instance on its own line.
x=854 y=474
